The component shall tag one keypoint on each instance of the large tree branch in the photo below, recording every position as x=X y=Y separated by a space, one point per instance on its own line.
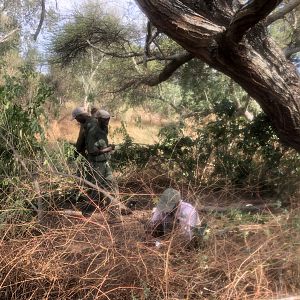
x=168 y=70
x=165 y=74
x=169 y=13
x=248 y=16
x=280 y=13
x=42 y=18
x=258 y=65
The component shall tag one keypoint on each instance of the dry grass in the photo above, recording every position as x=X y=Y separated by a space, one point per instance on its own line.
x=72 y=257
x=96 y=259
x=145 y=132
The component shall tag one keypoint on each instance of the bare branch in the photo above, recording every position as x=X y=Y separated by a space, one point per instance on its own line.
x=165 y=74
x=135 y=54
x=115 y=54
x=249 y=15
x=280 y=13
x=114 y=202
x=160 y=58
x=38 y=30
x=168 y=70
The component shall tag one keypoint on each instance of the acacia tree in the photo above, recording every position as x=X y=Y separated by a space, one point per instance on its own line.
x=233 y=38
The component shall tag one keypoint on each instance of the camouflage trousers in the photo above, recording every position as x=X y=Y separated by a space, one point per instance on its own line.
x=100 y=173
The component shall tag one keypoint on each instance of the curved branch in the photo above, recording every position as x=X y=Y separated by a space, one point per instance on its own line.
x=164 y=15
x=165 y=74
x=168 y=70
x=135 y=54
x=249 y=15
x=38 y=30
x=282 y=12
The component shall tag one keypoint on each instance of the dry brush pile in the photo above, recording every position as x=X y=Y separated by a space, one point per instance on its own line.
x=72 y=257
x=102 y=257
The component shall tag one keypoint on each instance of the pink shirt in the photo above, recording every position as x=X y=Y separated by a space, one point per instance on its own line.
x=186 y=215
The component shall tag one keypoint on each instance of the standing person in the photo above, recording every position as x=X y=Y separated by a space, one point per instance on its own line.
x=172 y=212
x=99 y=152
x=81 y=115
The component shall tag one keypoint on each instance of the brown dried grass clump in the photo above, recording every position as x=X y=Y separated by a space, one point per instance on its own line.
x=104 y=258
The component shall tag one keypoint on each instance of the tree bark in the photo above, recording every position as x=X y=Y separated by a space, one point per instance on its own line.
x=205 y=28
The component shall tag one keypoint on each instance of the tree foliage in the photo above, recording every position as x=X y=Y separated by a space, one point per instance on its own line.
x=22 y=99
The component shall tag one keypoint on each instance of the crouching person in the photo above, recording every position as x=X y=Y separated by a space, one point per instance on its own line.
x=172 y=213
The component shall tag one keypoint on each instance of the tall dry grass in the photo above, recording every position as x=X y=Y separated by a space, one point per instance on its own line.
x=68 y=256
x=102 y=259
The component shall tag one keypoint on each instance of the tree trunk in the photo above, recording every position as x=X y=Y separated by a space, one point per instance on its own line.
x=209 y=29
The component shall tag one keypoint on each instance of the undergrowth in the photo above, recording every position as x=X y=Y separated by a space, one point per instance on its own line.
x=66 y=256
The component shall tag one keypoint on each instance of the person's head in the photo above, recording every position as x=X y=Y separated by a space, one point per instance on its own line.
x=80 y=114
x=168 y=201
x=103 y=117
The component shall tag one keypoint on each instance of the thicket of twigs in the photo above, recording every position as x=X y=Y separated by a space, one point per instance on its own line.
x=243 y=256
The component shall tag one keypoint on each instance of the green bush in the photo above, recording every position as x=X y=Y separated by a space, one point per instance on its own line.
x=227 y=151
x=22 y=99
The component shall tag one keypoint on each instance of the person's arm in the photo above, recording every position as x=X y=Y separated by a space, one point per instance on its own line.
x=100 y=147
x=105 y=150
x=80 y=143
x=155 y=226
x=98 y=151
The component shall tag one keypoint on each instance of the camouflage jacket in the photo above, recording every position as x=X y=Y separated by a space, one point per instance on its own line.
x=96 y=138
x=81 y=140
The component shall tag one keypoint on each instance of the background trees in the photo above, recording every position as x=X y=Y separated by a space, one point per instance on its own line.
x=97 y=56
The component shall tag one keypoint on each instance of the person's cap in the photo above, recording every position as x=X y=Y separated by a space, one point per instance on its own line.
x=168 y=200
x=80 y=110
x=103 y=114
